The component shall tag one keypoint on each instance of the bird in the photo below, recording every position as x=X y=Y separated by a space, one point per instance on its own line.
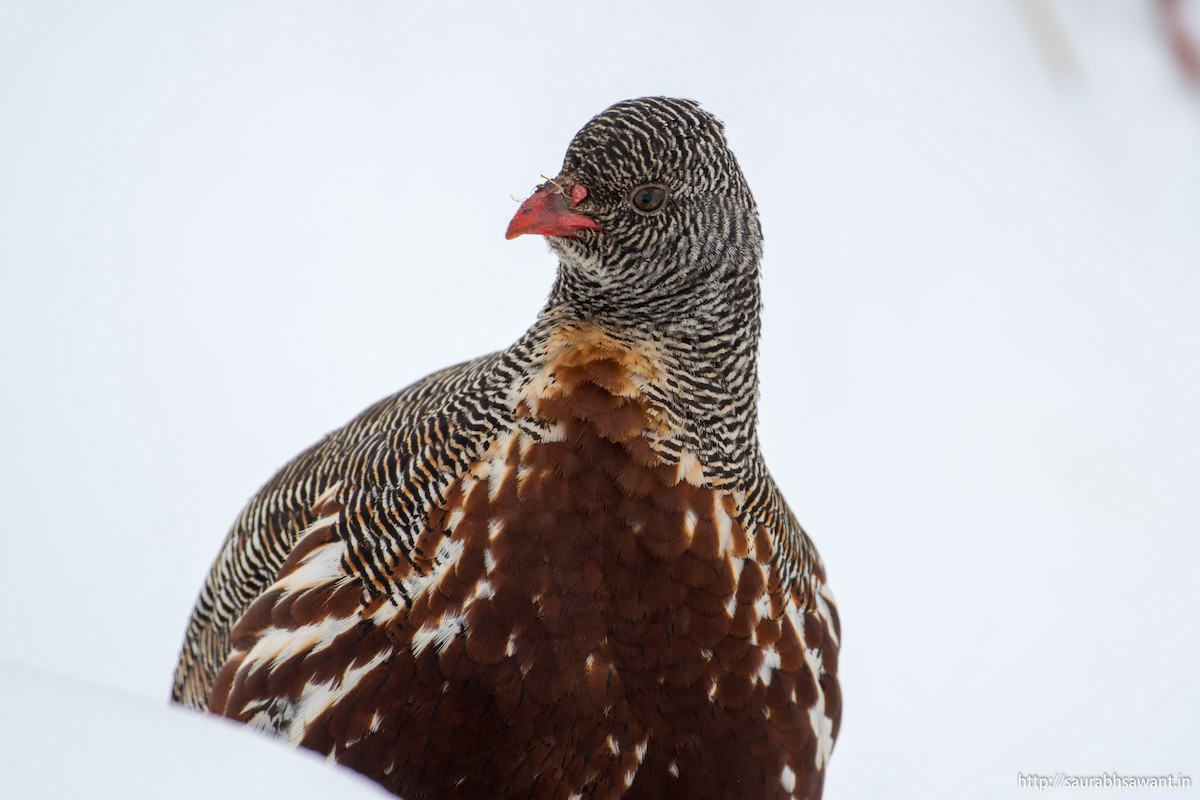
x=561 y=570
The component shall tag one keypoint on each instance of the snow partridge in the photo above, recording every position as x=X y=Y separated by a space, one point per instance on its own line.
x=561 y=570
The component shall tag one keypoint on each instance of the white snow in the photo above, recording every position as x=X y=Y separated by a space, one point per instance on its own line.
x=62 y=738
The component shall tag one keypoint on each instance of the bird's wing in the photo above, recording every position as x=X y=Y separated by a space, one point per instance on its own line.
x=394 y=456
x=822 y=642
x=809 y=603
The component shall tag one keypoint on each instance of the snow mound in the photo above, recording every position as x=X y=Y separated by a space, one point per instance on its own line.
x=64 y=739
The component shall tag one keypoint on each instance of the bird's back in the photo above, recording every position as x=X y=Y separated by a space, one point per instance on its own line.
x=384 y=439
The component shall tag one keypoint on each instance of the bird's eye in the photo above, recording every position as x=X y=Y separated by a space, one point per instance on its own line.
x=648 y=198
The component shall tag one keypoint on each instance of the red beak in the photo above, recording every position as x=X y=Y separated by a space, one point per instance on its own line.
x=548 y=212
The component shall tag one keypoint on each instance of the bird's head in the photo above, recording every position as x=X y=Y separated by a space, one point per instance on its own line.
x=650 y=209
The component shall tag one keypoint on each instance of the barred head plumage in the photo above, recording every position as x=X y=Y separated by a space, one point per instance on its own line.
x=678 y=225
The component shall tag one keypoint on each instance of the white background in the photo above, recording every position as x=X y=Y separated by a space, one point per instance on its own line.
x=225 y=228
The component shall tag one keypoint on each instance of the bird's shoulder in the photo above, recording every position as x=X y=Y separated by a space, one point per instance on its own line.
x=394 y=448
